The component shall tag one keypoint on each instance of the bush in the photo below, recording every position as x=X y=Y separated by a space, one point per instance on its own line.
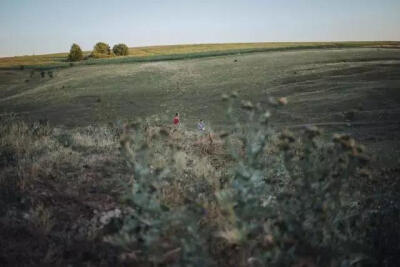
x=75 y=53
x=101 y=50
x=121 y=50
x=255 y=196
x=284 y=199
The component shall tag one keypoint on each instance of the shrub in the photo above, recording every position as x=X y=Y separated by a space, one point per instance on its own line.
x=294 y=195
x=284 y=199
x=75 y=53
x=121 y=50
x=101 y=50
x=273 y=198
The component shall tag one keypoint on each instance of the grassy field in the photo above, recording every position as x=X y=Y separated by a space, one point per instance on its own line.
x=70 y=145
x=169 y=52
x=320 y=77
x=334 y=87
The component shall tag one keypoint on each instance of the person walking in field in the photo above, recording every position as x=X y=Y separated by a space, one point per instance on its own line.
x=201 y=126
x=176 y=119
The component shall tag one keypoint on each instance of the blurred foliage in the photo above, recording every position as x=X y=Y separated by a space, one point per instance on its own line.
x=253 y=195
x=285 y=198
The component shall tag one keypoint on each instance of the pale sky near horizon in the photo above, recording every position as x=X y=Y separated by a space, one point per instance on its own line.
x=47 y=26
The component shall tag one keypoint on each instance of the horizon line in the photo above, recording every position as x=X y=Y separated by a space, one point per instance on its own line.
x=211 y=43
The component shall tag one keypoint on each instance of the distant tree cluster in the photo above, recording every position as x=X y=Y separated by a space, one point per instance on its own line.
x=100 y=50
x=121 y=50
x=75 y=53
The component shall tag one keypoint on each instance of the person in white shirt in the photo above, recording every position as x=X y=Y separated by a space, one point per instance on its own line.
x=201 y=126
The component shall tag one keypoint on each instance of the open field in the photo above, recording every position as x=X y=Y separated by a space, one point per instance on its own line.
x=322 y=86
x=170 y=52
x=83 y=187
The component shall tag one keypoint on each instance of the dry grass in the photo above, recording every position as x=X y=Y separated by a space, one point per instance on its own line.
x=55 y=180
x=189 y=49
x=68 y=180
x=32 y=60
x=199 y=48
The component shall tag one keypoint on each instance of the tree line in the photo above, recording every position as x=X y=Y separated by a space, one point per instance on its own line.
x=100 y=50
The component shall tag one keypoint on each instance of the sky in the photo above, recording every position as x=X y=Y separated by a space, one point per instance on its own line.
x=47 y=26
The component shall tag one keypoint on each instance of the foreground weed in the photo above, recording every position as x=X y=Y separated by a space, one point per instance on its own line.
x=284 y=198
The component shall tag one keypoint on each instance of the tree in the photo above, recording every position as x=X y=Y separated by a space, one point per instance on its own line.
x=101 y=50
x=121 y=50
x=75 y=53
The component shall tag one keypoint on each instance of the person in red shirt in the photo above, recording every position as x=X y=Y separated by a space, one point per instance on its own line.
x=176 y=119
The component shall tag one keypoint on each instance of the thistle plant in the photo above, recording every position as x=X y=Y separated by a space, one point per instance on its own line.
x=284 y=198
x=312 y=211
x=160 y=234
x=257 y=195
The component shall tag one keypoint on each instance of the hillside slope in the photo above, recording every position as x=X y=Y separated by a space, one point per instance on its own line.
x=354 y=90
x=171 y=52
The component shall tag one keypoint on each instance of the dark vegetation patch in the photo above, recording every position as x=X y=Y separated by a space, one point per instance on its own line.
x=47 y=195
x=144 y=193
